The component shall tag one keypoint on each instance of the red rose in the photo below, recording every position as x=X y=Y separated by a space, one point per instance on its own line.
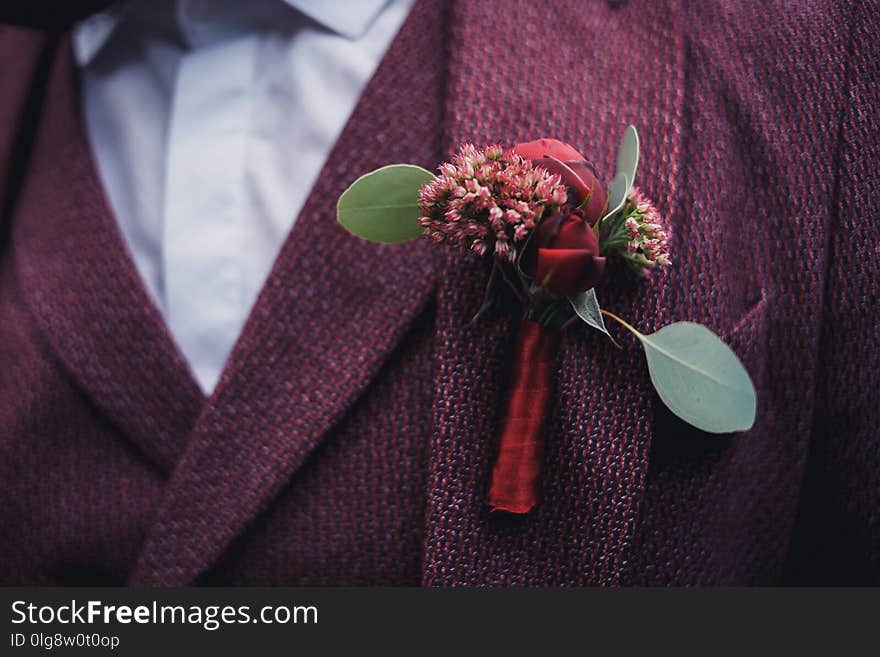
x=576 y=173
x=563 y=254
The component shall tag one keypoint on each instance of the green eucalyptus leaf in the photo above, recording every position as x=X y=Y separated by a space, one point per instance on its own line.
x=383 y=205
x=700 y=378
x=617 y=194
x=628 y=155
x=586 y=305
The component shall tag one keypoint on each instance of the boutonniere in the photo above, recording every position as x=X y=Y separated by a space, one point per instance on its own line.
x=552 y=231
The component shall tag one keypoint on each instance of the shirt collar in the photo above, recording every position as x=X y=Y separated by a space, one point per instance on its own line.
x=90 y=34
x=348 y=18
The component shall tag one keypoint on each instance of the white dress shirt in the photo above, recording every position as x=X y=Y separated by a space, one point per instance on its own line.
x=210 y=121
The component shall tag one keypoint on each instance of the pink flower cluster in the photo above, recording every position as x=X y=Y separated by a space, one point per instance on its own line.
x=648 y=245
x=488 y=200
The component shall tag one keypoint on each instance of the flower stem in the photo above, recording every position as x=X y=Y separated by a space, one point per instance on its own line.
x=546 y=316
x=509 y=282
x=487 y=296
x=621 y=322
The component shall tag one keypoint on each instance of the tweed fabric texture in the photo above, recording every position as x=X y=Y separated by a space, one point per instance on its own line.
x=76 y=322
x=793 y=239
x=837 y=537
x=351 y=436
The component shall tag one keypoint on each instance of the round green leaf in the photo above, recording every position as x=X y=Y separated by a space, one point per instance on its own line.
x=699 y=378
x=383 y=205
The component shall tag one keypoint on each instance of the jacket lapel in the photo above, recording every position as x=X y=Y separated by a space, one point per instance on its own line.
x=332 y=310
x=81 y=286
x=578 y=73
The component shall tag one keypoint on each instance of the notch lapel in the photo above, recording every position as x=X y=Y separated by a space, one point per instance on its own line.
x=331 y=312
x=84 y=292
x=569 y=74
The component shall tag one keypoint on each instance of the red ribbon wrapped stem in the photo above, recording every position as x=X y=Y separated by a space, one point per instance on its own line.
x=516 y=476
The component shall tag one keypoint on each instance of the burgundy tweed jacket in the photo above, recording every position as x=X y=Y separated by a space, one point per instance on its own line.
x=350 y=438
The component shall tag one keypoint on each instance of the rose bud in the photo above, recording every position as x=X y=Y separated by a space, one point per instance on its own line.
x=563 y=255
x=577 y=174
